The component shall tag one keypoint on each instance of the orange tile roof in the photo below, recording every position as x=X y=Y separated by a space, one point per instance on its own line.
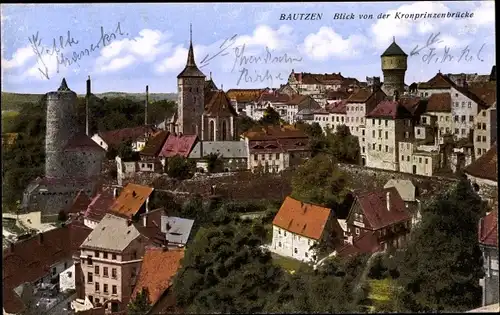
x=487 y=92
x=131 y=199
x=158 y=268
x=488 y=229
x=486 y=166
x=244 y=95
x=439 y=81
x=274 y=132
x=302 y=218
x=362 y=96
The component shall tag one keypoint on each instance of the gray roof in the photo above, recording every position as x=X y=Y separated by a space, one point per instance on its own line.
x=405 y=188
x=179 y=229
x=112 y=233
x=227 y=149
x=394 y=50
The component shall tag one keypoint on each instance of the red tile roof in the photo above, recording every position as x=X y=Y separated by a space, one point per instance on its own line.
x=487 y=92
x=114 y=138
x=244 y=95
x=274 y=97
x=80 y=203
x=219 y=105
x=318 y=78
x=390 y=109
x=485 y=166
x=100 y=205
x=330 y=95
x=303 y=102
x=488 y=229
x=31 y=259
x=131 y=199
x=302 y=218
x=155 y=143
x=274 y=132
x=361 y=96
x=178 y=145
x=337 y=108
x=366 y=243
x=82 y=142
x=374 y=206
x=439 y=81
x=158 y=268
x=439 y=102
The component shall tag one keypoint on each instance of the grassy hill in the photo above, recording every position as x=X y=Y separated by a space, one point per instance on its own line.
x=12 y=101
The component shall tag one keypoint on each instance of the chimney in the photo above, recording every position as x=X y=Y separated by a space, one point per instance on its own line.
x=129 y=222
x=146 y=106
x=388 y=200
x=134 y=193
x=40 y=238
x=115 y=192
x=87 y=107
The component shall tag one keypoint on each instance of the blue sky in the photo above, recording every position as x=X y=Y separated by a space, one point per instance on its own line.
x=153 y=47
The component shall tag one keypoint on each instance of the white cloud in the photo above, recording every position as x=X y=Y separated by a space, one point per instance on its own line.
x=123 y=53
x=19 y=58
x=175 y=62
x=383 y=30
x=264 y=35
x=485 y=13
x=327 y=43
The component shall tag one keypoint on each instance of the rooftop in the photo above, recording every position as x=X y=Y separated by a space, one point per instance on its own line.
x=178 y=145
x=488 y=229
x=364 y=244
x=131 y=199
x=301 y=218
x=226 y=149
x=158 y=268
x=439 y=102
x=100 y=205
x=244 y=95
x=176 y=229
x=486 y=166
x=82 y=142
x=394 y=50
x=114 y=138
x=155 y=143
x=218 y=104
x=390 y=109
x=274 y=132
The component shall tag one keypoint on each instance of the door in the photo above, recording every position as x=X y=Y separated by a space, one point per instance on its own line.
x=414 y=169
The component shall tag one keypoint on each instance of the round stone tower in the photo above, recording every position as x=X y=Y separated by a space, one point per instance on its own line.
x=62 y=125
x=394 y=65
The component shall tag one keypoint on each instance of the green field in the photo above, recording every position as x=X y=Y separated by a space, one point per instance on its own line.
x=289 y=264
x=381 y=293
x=12 y=101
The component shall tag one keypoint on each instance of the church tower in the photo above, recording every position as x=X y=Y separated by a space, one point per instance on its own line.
x=394 y=65
x=191 y=98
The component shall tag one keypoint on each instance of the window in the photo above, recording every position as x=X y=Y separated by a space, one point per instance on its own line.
x=463 y=131
x=362 y=139
x=96 y=270
x=386 y=123
x=447 y=118
x=91 y=299
x=306 y=254
x=90 y=277
x=484 y=114
x=386 y=148
x=97 y=254
x=269 y=157
x=386 y=135
x=426 y=160
x=373 y=121
x=402 y=157
x=295 y=250
x=255 y=157
x=471 y=118
x=418 y=131
x=114 y=290
x=89 y=260
x=424 y=120
x=363 y=132
x=484 y=126
x=456 y=94
x=113 y=273
x=478 y=125
x=380 y=133
x=279 y=232
x=284 y=233
x=97 y=287
x=105 y=272
x=463 y=118
x=357 y=231
x=373 y=133
x=105 y=255
x=478 y=151
x=379 y=122
x=380 y=147
x=373 y=146
x=456 y=118
x=463 y=104
x=279 y=244
x=113 y=257
x=456 y=131
x=479 y=138
x=419 y=160
x=363 y=149
x=277 y=156
x=484 y=138
x=408 y=158
x=105 y=288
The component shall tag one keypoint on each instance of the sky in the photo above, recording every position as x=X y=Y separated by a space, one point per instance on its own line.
x=150 y=45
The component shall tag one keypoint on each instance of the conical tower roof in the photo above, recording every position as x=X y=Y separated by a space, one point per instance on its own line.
x=64 y=86
x=191 y=70
x=394 y=50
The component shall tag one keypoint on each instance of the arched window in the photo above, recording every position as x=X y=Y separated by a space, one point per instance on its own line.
x=211 y=131
x=224 y=130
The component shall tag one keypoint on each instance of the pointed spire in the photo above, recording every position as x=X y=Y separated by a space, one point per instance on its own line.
x=64 y=85
x=393 y=39
x=210 y=75
x=190 y=60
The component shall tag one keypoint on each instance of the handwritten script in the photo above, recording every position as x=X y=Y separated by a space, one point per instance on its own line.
x=57 y=45
x=242 y=62
x=432 y=54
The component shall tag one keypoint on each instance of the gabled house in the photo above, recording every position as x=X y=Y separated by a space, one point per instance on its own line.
x=132 y=202
x=382 y=212
x=233 y=154
x=99 y=206
x=111 y=258
x=180 y=145
x=488 y=241
x=409 y=194
x=299 y=229
x=32 y=268
x=113 y=138
x=149 y=155
x=158 y=268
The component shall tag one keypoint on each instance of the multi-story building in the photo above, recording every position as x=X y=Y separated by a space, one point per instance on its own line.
x=437 y=84
x=300 y=103
x=271 y=99
x=381 y=214
x=387 y=125
x=312 y=83
x=337 y=114
x=110 y=260
x=464 y=109
x=241 y=98
x=439 y=106
x=359 y=105
x=485 y=130
x=488 y=241
x=274 y=149
x=299 y=227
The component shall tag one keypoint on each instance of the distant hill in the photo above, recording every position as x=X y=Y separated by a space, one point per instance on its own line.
x=12 y=101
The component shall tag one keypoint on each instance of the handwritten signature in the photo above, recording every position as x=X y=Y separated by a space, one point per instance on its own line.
x=267 y=59
x=446 y=56
x=257 y=76
x=226 y=44
x=41 y=51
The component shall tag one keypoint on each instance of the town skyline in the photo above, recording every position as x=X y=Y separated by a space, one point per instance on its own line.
x=253 y=46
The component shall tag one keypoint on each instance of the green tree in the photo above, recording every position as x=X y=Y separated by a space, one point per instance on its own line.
x=441 y=268
x=343 y=146
x=214 y=162
x=246 y=123
x=270 y=117
x=126 y=153
x=320 y=181
x=141 y=304
x=179 y=168
x=225 y=271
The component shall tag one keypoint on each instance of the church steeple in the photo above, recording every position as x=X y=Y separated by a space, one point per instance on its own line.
x=191 y=70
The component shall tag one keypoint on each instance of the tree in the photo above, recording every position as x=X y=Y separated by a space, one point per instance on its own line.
x=225 y=271
x=214 y=162
x=125 y=152
x=179 y=168
x=246 y=123
x=320 y=181
x=141 y=304
x=271 y=117
x=441 y=268
x=343 y=146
